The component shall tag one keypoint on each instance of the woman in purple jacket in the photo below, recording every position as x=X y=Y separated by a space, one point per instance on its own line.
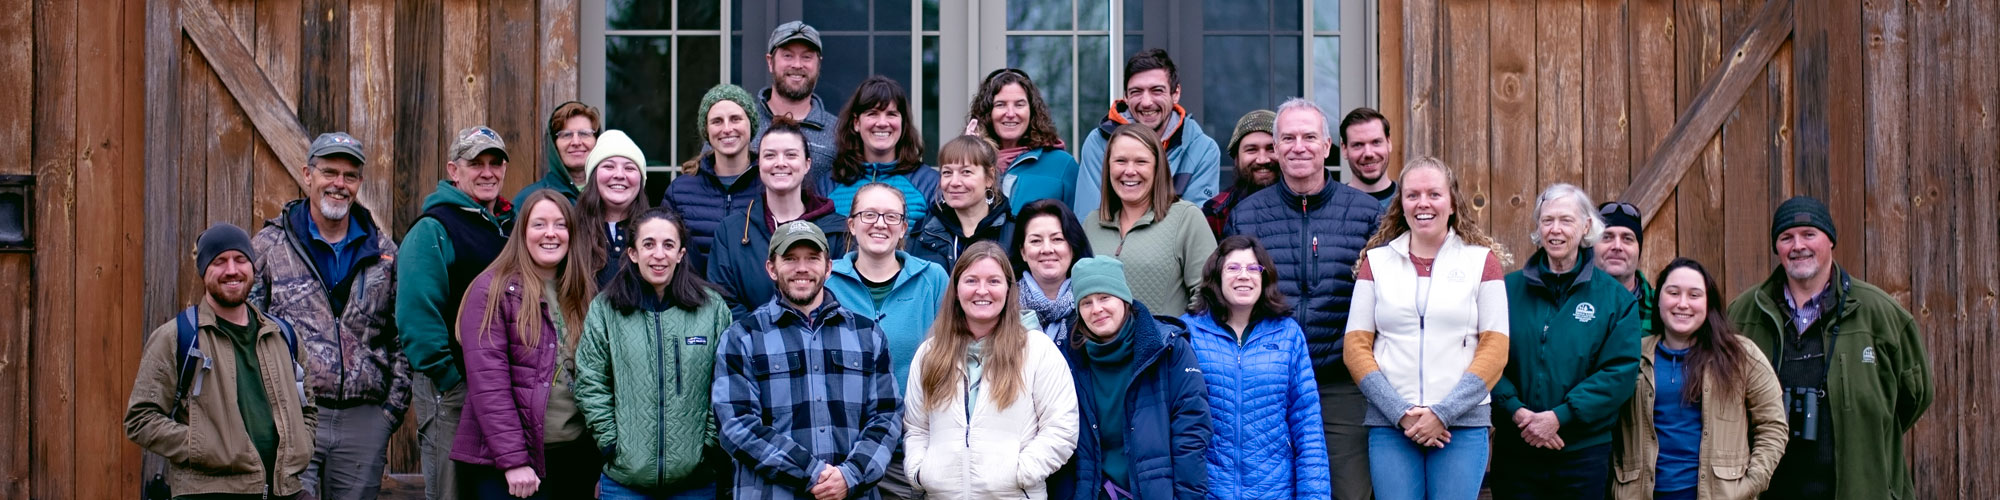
x=521 y=434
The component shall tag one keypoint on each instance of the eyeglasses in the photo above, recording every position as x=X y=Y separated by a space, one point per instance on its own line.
x=1236 y=268
x=1618 y=207
x=576 y=134
x=873 y=217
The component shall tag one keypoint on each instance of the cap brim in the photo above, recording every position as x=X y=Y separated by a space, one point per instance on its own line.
x=350 y=153
x=501 y=152
x=795 y=38
x=789 y=245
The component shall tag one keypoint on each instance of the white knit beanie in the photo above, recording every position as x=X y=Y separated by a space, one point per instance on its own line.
x=613 y=143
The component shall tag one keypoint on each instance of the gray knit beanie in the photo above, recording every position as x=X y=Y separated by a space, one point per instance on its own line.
x=718 y=94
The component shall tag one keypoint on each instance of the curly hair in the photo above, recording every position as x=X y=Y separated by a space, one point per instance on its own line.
x=1041 y=125
x=1395 y=225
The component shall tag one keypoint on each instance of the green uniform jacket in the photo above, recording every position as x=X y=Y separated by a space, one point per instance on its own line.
x=1574 y=351
x=643 y=384
x=423 y=287
x=1879 y=384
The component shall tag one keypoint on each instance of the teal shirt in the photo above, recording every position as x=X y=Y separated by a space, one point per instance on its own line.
x=1111 y=367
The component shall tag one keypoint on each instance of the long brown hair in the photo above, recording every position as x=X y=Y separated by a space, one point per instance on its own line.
x=1716 y=354
x=588 y=240
x=950 y=336
x=575 y=285
x=1208 y=296
x=1041 y=130
x=877 y=92
x=1394 y=225
x=1163 y=176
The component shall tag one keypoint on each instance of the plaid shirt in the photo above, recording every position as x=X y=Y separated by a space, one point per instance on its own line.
x=797 y=392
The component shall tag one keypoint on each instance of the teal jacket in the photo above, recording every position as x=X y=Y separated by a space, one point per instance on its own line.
x=1043 y=173
x=1879 y=384
x=555 y=176
x=1574 y=351
x=905 y=315
x=642 y=384
x=426 y=305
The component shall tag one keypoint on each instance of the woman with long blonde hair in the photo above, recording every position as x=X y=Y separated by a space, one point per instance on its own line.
x=998 y=396
x=521 y=434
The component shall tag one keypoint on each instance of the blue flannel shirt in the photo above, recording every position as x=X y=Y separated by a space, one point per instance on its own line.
x=797 y=392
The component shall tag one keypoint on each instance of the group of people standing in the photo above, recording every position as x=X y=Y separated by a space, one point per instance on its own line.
x=813 y=312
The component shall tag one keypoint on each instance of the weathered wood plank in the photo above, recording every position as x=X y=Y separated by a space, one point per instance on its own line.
x=105 y=350
x=230 y=176
x=54 y=420
x=1513 y=141
x=1466 y=88
x=323 y=64
x=1607 y=155
x=1979 y=276
x=1937 y=170
x=1887 y=151
x=558 y=31
x=1390 y=58
x=193 y=170
x=278 y=47
x=1559 y=93
x=1422 y=132
x=371 y=117
x=1706 y=112
x=163 y=74
x=1829 y=135
x=1746 y=144
x=16 y=327
x=1651 y=89
x=1698 y=39
x=511 y=90
x=17 y=92
x=1778 y=87
x=419 y=80
x=465 y=63
x=272 y=185
x=237 y=69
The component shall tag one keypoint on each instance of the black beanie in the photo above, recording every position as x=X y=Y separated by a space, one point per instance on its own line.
x=1802 y=211
x=221 y=237
x=1615 y=216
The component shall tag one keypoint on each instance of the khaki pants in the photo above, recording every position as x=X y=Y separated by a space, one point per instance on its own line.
x=437 y=425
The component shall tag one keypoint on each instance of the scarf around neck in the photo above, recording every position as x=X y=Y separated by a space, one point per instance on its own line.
x=1053 y=311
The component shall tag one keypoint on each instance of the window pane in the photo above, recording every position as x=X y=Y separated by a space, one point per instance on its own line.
x=1038 y=14
x=1219 y=15
x=1047 y=60
x=1133 y=44
x=637 y=15
x=842 y=67
x=892 y=59
x=1093 y=15
x=1326 y=15
x=930 y=15
x=700 y=14
x=1135 y=15
x=1326 y=74
x=934 y=136
x=892 y=15
x=698 y=67
x=636 y=70
x=1237 y=77
x=837 y=15
x=1286 y=13
x=1093 y=85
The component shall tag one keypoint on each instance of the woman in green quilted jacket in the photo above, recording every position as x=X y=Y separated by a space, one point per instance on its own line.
x=647 y=398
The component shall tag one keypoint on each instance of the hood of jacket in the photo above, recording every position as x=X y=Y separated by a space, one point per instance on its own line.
x=448 y=195
x=1176 y=131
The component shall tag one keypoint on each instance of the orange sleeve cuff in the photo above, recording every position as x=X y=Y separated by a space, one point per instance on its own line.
x=1488 y=359
x=1359 y=352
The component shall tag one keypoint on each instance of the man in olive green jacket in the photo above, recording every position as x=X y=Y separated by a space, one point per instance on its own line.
x=1850 y=360
x=241 y=430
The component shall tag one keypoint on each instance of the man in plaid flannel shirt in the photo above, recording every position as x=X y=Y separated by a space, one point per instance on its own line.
x=803 y=391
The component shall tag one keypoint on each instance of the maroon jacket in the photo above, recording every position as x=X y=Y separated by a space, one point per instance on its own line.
x=507 y=383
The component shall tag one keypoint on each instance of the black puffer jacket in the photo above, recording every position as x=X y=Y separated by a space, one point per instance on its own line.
x=1315 y=240
x=942 y=237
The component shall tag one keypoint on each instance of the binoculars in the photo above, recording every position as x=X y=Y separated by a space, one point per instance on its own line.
x=1803 y=409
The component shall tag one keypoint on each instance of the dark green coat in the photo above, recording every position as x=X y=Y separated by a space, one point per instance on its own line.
x=1573 y=350
x=643 y=384
x=1879 y=384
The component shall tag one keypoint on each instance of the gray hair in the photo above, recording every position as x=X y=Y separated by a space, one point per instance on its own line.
x=1593 y=229
x=1302 y=104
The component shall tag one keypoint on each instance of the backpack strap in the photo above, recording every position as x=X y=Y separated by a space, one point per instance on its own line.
x=184 y=343
x=291 y=337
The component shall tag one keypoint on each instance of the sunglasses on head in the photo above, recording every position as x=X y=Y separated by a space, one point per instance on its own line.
x=1619 y=207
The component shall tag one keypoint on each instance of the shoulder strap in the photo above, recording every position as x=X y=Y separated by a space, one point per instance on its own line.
x=291 y=338
x=184 y=343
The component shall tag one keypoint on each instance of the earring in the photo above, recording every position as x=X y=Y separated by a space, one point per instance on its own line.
x=989 y=196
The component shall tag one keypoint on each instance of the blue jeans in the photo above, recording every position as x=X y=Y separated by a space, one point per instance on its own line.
x=608 y=489
x=1404 y=470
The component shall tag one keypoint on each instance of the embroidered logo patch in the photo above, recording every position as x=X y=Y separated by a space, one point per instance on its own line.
x=1456 y=276
x=1868 y=354
x=1585 y=312
x=697 y=341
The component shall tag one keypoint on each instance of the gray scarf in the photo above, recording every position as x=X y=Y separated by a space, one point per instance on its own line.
x=1054 y=312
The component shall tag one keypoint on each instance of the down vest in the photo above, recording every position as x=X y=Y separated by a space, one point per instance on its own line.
x=1315 y=240
x=1169 y=428
x=703 y=200
x=1264 y=406
x=642 y=382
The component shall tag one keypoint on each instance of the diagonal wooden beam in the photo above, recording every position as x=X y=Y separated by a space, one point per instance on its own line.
x=1711 y=106
x=238 y=71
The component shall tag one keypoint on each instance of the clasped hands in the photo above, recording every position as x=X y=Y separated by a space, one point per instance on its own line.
x=1539 y=428
x=1423 y=426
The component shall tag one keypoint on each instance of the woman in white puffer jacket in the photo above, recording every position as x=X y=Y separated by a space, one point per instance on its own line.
x=990 y=411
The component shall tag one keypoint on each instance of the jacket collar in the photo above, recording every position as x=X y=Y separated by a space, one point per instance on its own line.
x=294 y=221
x=1771 y=295
x=1452 y=244
x=1310 y=201
x=782 y=315
x=997 y=214
x=1208 y=324
x=912 y=268
x=1537 y=270
x=705 y=167
x=448 y=194
x=818 y=119
x=1120 y=114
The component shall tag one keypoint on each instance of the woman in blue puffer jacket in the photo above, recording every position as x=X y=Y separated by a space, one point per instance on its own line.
x=1262 y=401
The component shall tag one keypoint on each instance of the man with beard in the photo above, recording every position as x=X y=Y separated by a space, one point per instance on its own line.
x=797 y=427
x=463 y=227
x=1152 y=98
x=1256 y=166
x=793 y=60
x=572 y=130
x=1850 y=360
x=224 y=404
x=324 y=267
x=1364 y=140
x=1316 y=229
x=1618 y=256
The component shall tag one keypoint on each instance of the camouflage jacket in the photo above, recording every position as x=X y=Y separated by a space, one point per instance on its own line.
x=351 y=358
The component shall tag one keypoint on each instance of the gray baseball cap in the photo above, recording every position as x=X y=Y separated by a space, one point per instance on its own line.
x=794 y=31
x=796 y=232
x=337 y=143
x=472 y=141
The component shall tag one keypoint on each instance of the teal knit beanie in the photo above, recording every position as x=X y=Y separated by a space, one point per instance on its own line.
x=1101 y=274
x=718 y=94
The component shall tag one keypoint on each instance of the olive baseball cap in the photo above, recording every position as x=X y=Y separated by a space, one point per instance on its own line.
x=795 y=232
x=472 y=141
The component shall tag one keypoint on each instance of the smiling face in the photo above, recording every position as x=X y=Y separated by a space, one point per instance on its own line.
x=479 y=177
x=1367 y=151
x=1302 y=148
x=657 y=250
x=1130 y=170
x=1257 y=159
x=963 y=185
x=619 y=180
x=1426 y=199
x=794 y=70
x=982 y=291
x=1046 y=250
x=1242 y=280
x=782 y=162
x=331 y=182
x=1103 y=315
x=880 y=129
x=575 y=141
x=1150 y=96
x=227 y=278
x=1011 y=115
x=1560 y=229
x=547 y=235
x=1618 y=252
x=1683 y=301
x=799 y=273
x=880 y=237
x=1806 y=253
x=728 y=128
